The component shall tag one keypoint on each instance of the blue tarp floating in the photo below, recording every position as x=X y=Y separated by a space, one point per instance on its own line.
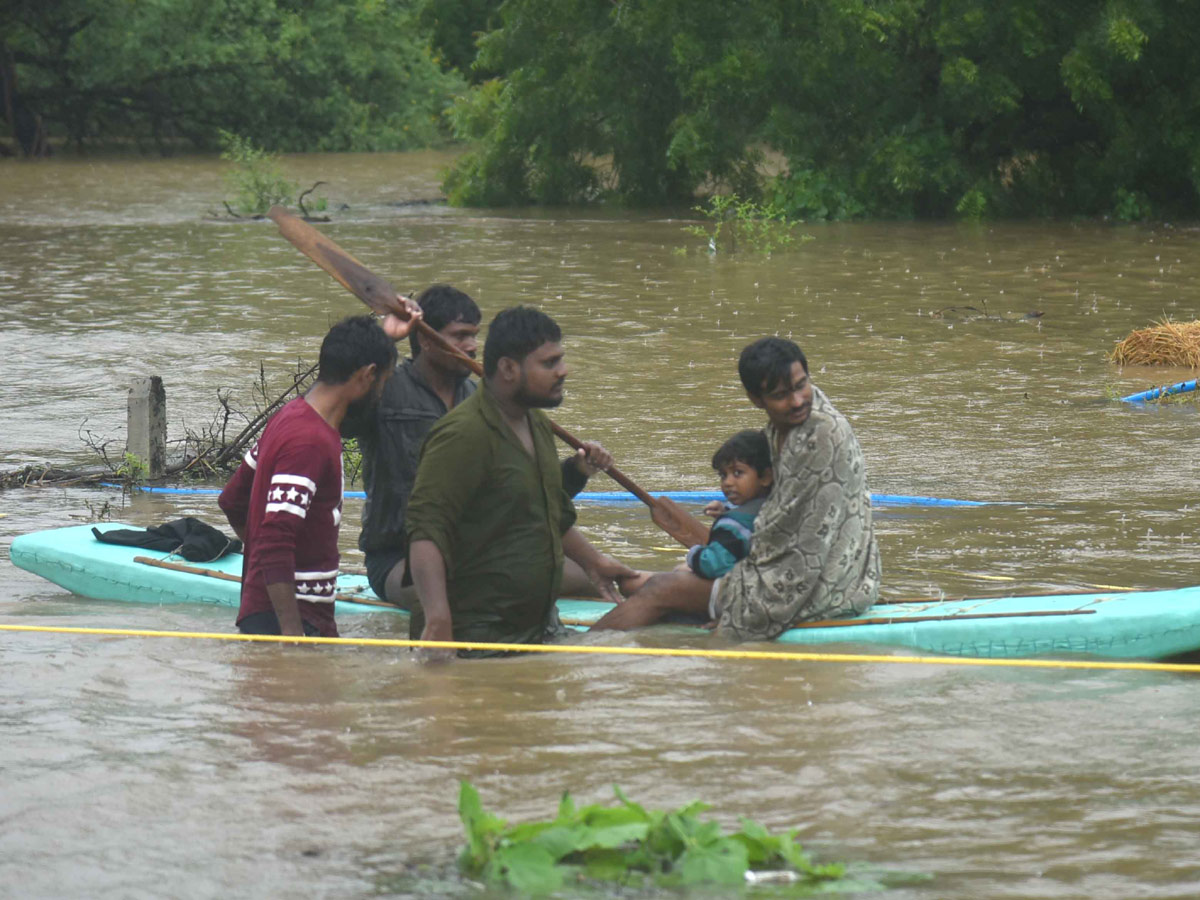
x=1181 y=387
x=624 y=498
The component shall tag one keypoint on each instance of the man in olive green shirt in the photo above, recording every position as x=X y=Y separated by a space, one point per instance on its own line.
x=488 y=520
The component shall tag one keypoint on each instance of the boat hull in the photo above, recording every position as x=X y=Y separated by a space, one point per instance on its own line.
x=1118 y=625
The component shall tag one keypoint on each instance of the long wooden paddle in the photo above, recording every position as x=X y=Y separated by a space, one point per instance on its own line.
x=378 y=294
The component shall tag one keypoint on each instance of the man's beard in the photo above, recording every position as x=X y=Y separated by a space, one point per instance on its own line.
x=532 y=401
x=359 y=415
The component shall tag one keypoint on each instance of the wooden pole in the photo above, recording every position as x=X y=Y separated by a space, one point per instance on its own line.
x=225 y=576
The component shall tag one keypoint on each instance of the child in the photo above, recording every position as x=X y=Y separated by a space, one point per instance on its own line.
x=744 y=464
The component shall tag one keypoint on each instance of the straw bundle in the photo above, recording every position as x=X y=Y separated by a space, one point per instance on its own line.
x=1166 y=343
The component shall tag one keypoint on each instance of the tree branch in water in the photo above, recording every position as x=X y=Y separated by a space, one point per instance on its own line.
x=206 y=453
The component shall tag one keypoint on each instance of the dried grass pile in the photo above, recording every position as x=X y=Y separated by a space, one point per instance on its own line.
x=1165 y=343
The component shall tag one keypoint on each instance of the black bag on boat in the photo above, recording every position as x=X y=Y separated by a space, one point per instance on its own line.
x=194 y=540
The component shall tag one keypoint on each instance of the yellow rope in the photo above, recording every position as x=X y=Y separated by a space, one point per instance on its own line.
x=626 y=651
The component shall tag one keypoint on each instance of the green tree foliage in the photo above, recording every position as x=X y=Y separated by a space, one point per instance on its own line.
x=286 y=74
x=907 y=108
x=454 y=27
x=587 y=104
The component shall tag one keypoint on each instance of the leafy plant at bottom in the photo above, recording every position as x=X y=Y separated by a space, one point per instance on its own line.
x=627 y=844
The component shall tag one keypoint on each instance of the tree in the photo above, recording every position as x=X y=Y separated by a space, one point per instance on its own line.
x=582 y=81
x=288 y=74
x=881 y=107
x=454 y=26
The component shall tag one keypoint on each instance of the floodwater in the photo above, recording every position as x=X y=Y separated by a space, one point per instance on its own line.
x=137 y=767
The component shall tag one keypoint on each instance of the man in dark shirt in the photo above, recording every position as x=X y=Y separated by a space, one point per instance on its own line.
x=489 y=522
x=421 y=391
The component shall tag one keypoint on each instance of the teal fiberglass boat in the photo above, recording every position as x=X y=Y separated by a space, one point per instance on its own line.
x=1120 y=625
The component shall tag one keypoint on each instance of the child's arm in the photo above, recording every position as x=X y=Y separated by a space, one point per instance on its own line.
x=726 y=545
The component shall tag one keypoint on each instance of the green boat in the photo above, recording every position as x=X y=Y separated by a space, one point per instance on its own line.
x=1120 y=625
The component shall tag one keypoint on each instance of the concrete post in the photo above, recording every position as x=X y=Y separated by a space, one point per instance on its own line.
x=146 y=432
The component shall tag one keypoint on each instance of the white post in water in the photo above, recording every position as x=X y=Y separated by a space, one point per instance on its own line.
x=146 y=432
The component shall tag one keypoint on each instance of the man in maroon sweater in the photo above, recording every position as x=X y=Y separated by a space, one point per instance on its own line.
x=285 y=500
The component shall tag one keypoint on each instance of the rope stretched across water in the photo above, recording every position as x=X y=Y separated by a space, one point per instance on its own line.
x=699 y=653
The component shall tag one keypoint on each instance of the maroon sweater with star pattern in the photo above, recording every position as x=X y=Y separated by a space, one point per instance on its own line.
x=286 y=499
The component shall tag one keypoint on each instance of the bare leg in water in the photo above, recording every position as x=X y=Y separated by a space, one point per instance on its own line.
x=575 y=583
x=662 y=594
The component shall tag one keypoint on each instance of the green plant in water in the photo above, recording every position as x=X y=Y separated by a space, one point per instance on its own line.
x=132 y=468
x=633 y=846
x=1131 y=206
x=256 y=178
x=1114 y=391
x=1189 y=397
x=352 y=460
x=972 y=206
x=735 y=222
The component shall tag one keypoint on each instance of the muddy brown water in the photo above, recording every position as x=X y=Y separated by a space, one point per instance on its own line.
x=146 y=768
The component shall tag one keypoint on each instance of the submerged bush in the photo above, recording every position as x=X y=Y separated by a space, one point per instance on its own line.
x=256 y=178
x=736 y=223
x=629 y=844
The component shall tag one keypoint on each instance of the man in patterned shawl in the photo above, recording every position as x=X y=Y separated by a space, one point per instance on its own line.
x=813 y=554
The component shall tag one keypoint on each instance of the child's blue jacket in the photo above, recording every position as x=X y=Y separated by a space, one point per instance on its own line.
x=728 y=541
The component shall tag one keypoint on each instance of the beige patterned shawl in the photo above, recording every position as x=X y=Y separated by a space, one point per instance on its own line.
x=813 y=554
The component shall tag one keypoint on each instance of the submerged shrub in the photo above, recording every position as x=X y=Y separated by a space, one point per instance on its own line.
x=629 y=844
x=256 y=178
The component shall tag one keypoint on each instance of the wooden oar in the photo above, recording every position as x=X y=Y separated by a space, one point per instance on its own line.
x=379 y=294
x=225 y=576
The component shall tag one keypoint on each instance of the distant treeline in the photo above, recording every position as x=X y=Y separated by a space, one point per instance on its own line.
x=165 y=75
x=826 y=108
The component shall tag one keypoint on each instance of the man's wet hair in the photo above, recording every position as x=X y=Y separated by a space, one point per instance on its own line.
x=442 y=305
x=767 y=362
x=516 y=332
x=351 y=344
x=749 y=447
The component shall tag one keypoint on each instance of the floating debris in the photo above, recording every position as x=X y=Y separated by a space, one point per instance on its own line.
x=1165 y=343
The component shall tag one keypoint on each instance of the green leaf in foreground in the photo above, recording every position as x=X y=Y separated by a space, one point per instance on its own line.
x=723 y=861
x=630 y=845
x=527 y=868
x=482 y=829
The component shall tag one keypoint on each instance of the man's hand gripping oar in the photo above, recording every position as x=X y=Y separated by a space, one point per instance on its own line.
x=379 y=294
